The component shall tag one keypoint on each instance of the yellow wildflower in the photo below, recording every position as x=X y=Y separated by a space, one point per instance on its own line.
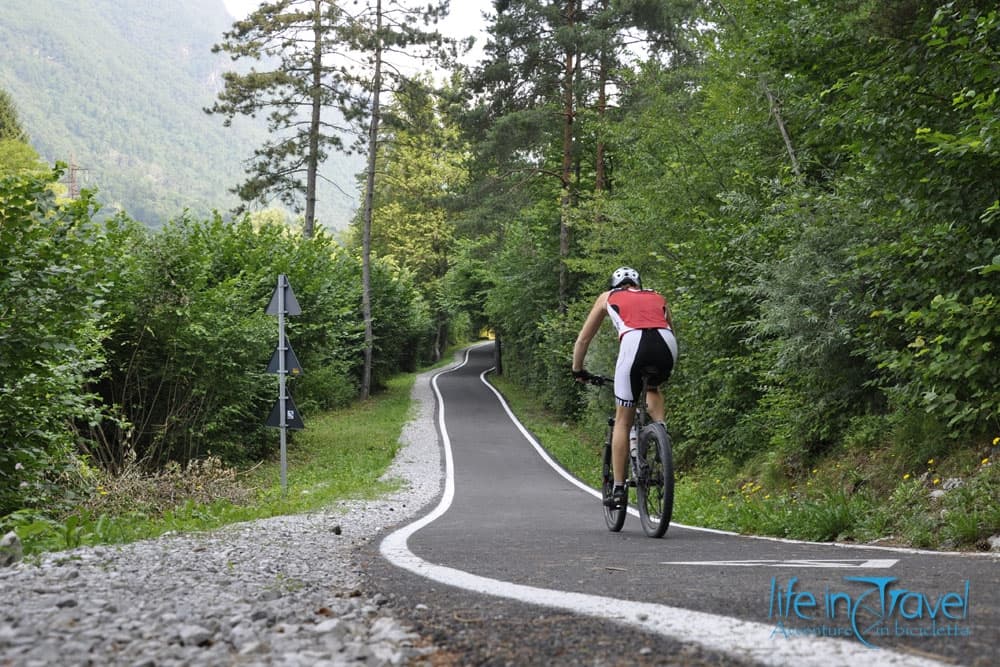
x=906 y=476
x=996 y=441
x=930 y=462
x=937 y=480
x=986 y=460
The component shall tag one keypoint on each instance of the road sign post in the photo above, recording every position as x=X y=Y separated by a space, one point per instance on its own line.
x=284 y=415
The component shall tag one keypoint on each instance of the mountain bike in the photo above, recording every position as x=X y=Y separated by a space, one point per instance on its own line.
x=650 y=469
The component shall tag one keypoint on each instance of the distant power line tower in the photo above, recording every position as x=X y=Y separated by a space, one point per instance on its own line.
x=73 y=182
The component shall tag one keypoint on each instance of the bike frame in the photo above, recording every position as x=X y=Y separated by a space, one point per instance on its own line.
x=640 y=476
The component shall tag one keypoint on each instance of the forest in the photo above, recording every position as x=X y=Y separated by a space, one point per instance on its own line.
x=117 y=88
x=813 y=185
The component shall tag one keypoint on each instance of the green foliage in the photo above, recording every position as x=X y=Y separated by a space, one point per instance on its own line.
x=144 y=347
x=523 y=288
x=189 y=345
x=188 y=351
x=402 y=324
x=342 y=454
x=412 y=226
x=16 y=154
x=815 y=191
x=967 y=38
x=55 y=267
x=11 y=128
x=951 y=360
x=17 y=157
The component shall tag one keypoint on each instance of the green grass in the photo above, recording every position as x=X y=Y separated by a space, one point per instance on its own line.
x=340 y=455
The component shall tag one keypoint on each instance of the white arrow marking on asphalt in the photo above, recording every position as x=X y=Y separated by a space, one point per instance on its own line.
x=860 y=563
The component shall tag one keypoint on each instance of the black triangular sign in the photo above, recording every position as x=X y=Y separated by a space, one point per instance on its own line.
x=291 y=304
x=292 y=366
x=293 y=420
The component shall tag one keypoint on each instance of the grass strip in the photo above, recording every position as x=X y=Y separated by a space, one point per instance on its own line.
x=339 y=456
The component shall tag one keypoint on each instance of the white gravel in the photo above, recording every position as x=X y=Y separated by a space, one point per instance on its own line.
x=280 y=591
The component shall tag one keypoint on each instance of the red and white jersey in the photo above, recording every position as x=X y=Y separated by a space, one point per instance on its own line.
x=631 y=308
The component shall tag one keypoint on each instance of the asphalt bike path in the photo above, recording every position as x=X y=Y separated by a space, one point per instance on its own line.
x=512 y=524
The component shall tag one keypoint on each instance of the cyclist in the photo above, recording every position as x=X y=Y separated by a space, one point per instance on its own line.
x=646 y=340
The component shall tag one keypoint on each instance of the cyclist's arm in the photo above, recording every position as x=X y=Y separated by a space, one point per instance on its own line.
x=589 y=330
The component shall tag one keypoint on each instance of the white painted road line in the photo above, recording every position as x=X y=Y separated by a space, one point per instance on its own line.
x=841 y=563
x=746 y=640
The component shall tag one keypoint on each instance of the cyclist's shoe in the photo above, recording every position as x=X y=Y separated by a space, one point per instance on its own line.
x=618 y=498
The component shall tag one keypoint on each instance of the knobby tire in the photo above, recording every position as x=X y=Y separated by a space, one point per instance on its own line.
x=655 y=488
x=615 y=518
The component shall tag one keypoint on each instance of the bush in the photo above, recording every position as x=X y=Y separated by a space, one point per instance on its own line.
x=54 y=268
x=189 y=348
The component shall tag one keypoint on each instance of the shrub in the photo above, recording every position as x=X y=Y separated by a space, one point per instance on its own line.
x=189 y=347
x=54 y=268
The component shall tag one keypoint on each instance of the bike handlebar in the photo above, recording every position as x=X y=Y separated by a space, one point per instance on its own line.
x=596 y=380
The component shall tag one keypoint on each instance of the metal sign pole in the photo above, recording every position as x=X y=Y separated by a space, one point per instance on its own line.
x=281 y=385
x=284 y=415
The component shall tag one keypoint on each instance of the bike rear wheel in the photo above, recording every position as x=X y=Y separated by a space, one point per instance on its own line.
x=614 y=517
x=655 y=485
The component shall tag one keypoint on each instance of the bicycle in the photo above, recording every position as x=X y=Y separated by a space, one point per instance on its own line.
x=651 y=469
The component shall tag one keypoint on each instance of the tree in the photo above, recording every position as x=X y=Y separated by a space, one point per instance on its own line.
x=10 y=123
x=16 y=154
x=549 y=63
x=422 y=169
x=304 y=89
x=329 y=57
x=383 y=40
x=530 y=77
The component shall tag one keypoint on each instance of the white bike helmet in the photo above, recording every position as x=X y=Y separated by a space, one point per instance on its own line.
x=625 y=275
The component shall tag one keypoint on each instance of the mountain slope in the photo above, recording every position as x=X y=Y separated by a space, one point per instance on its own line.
x=118 y=87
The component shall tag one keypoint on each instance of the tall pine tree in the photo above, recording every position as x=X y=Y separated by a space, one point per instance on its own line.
x=301 y=91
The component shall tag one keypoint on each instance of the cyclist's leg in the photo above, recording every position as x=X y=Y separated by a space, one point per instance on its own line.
x=619 y=441
x=654 y=404
x=627 y=386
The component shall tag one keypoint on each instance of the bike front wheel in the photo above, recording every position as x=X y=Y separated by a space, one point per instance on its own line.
x=655 y=483
x=614 y=517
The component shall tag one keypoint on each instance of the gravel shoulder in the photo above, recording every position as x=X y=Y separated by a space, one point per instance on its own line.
x=279 y=591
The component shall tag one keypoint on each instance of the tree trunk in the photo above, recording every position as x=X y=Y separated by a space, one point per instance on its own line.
x=366 y=236
x=565 y=201
x=497 y=354
x=771 y=101
x=312 y=166
x=779 y=119
x=600 y=173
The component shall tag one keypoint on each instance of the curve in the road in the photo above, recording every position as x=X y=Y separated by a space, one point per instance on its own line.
x=741 y=639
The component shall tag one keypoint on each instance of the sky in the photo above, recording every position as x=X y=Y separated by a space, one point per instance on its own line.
x=464 y=20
